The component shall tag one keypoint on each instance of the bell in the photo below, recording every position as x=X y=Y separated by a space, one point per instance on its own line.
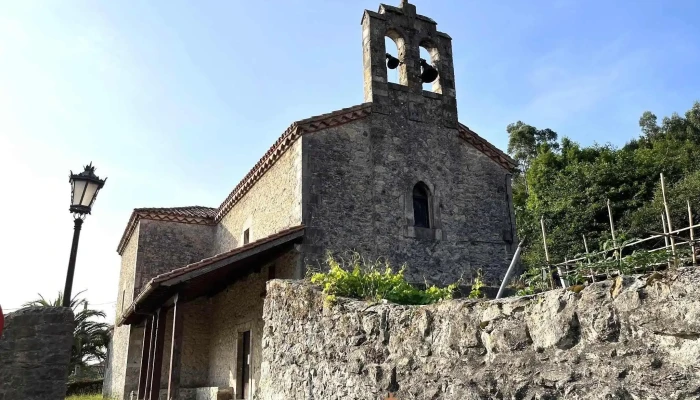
x=391 y=61
x=428 y=73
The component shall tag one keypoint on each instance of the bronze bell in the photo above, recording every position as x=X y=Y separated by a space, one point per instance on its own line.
x=391 y=61
x=428 y=73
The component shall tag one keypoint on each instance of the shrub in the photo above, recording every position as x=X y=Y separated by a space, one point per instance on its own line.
x=374 y=281
x=478 y=283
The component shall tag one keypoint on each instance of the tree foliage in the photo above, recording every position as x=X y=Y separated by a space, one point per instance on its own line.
x=569 y=184
x=90 y=337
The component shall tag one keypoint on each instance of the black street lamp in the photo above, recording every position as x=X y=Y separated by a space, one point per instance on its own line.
x=84 y=188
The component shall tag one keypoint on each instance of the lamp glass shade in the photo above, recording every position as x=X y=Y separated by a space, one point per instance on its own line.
x=78 y=191
x=89 y=195
x=85 y=186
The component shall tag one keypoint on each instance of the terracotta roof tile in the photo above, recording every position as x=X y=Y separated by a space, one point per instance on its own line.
x=293 y=132
x=155 y=283
x=487 y=148
x=209 y=216
x=191 y=211
x=197 y=215
x=210 y=260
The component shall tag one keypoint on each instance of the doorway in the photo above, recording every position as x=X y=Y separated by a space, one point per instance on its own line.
x=244 y=362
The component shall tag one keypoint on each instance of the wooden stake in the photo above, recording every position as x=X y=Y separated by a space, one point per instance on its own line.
x=612 y=225
x=585 y=245
x=692 y=235
x=612 y=232
x=546 y=255
x=546 y=252
x=668 y=217
x=663 y=224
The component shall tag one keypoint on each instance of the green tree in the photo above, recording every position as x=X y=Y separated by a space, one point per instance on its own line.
x=90 y=337
x=569 y=184
x=524 y=142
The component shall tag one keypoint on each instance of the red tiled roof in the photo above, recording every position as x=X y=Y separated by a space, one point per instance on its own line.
x=209 y=216
x=294 y=132
x=208 y=261
x=290 y=234
x=189 y=215
x=487 y=148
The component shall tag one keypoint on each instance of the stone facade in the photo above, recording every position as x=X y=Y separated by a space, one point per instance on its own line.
x=347 y=179
x=271 y=205
x=164 y=246
x=629 y=338
x=358 y=196
x=35 y=350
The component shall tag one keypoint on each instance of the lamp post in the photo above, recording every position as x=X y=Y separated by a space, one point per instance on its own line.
x=84 y=188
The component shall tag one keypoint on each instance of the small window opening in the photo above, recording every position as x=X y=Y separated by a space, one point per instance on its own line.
x=246 y=236
x=244 y=365
x=421 y=201
x=123 y=296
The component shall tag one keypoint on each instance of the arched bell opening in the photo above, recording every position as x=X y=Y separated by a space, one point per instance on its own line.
x=430 y=73
x=395 y=53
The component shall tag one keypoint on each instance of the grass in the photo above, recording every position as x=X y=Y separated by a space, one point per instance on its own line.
x=85 y=397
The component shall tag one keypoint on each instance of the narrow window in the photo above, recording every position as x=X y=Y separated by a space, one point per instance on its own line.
x=123 y=294
x=246 y=236
x=244 y=364
x=421 y=210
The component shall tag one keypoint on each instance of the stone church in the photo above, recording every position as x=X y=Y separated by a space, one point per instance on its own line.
x=397 y=176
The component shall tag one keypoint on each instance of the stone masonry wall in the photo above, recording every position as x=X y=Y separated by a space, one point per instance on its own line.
x=196 y=334
x=629 y=338
x=165 y=246
x=120 y=363
x=123 y=363
x=271 y=205
x=35 y=352
x=359 y=197
x=235 y=310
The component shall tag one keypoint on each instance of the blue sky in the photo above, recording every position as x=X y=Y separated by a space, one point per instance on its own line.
x=175 y=101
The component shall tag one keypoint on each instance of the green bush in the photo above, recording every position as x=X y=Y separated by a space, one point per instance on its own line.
x=374 y=281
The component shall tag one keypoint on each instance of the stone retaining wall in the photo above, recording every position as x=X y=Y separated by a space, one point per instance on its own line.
x=629 y=338
x=34 y=353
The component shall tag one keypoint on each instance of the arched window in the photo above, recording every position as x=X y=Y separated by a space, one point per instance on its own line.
x=421 y=205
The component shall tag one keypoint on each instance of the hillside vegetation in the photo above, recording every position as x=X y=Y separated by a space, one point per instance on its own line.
x=568 y=184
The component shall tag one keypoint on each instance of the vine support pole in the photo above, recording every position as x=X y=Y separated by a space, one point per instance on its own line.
x=692 y=235
x=511 y=267
x=663 y=224
x=668 y=218
x=585 y=245
x=546 y=253
x=546 y=257
x=612 y=232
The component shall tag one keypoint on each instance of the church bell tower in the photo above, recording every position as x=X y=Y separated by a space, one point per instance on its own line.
x=410 y=31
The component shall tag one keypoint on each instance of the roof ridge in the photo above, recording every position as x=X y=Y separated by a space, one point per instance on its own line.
x=486 y=147
x=290 y=135
x=197 y=215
